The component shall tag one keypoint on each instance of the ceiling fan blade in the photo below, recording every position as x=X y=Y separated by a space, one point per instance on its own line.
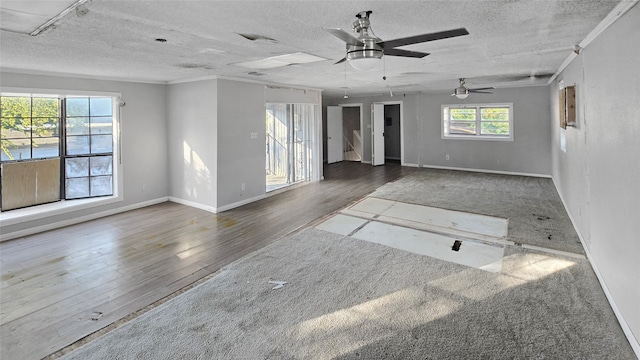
x=422 y=38
x=341 y=61
x=405 y=53
x=480 y=92
x=484 y=88
x=344 y=36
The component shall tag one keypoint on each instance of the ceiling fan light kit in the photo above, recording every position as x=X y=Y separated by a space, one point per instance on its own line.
x=461 y=93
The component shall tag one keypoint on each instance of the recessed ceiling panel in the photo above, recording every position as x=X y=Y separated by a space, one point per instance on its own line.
x=26 y=16
x=282 y=60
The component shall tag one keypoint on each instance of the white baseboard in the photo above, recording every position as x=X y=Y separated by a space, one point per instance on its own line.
x=487 y=171
x=76 y=220
x=242 y=202
x=193 y=204
x=215 y=210
x=410 y=165
x=635 y=345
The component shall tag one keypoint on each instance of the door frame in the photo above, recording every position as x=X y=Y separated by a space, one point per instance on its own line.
x=398 y=102
x=361 y=106
x=329 y=136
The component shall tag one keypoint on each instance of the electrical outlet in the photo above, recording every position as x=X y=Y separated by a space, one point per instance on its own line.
x=242 y=186
x=446 y=156
x=145 y=187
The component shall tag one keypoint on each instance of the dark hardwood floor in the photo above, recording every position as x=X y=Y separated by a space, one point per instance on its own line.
x=62 y=285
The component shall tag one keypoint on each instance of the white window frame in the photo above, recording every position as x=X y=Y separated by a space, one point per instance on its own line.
x=477 y=136
x=36 y=212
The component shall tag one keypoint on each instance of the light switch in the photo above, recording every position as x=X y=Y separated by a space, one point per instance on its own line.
x=254 y=135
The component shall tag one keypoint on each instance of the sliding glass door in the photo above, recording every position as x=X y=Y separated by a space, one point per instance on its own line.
x=290 y=132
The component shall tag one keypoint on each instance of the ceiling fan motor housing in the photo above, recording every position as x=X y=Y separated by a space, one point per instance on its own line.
x=370 y=48
x=461 y=90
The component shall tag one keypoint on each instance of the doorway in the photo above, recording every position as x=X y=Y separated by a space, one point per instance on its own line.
x=392 y=133
x=344 y=133
x=351 y=133
x=386 y=132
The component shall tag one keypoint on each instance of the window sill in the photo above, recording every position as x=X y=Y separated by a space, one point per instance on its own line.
x=475 y=137
x=37 y=212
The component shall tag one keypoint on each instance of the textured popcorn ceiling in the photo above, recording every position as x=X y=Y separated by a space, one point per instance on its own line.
x=509 y=40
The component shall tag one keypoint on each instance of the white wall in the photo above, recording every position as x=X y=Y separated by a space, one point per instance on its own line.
x=144 y=133
x=241 y=159
x=598 y=174
x=192 y=140
x=423 y=145
x=528 y=153
x=212 y=151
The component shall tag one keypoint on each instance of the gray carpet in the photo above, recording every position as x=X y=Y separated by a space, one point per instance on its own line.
x=532 y=205
x=350 y=299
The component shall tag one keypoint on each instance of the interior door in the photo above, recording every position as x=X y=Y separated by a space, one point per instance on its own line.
x=377 y=134
x=334 y=134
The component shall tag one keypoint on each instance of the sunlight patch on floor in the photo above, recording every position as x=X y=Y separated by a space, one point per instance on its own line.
x=345 y=330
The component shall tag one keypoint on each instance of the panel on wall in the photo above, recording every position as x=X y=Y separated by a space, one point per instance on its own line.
x=568 y=106
x=30 y=183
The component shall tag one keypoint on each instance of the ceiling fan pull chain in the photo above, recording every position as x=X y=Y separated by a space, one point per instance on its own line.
x=384 y=68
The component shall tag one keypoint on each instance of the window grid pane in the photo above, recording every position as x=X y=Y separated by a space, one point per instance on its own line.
x=91 y=133
x=30 y=127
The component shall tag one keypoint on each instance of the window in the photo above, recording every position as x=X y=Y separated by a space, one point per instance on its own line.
x=478 y=122
x=74 y=134
x=30 y=127
x=290 y=145
x=89 y=147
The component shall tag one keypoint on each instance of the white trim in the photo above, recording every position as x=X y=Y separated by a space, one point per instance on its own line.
x=635 y=345
x=477 y=136
x=193 y=204
x=410 y=165
x=62 y=93
x=80 y=219
x=36 y=212
x=231 y=78
x=361 y=106
x=366 y=162
x=241 y=202
x=216 y=210
x=79 y=76
x=487 y=171
x=554 y=251
x=617 y=12
x=401 y=103
x=192 y=79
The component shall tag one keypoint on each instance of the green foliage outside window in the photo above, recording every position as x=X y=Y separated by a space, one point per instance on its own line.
x=495 y=121
x=28 y=121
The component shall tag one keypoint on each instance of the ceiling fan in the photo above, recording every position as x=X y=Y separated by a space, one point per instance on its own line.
x=364 y=51
x=461 y=92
